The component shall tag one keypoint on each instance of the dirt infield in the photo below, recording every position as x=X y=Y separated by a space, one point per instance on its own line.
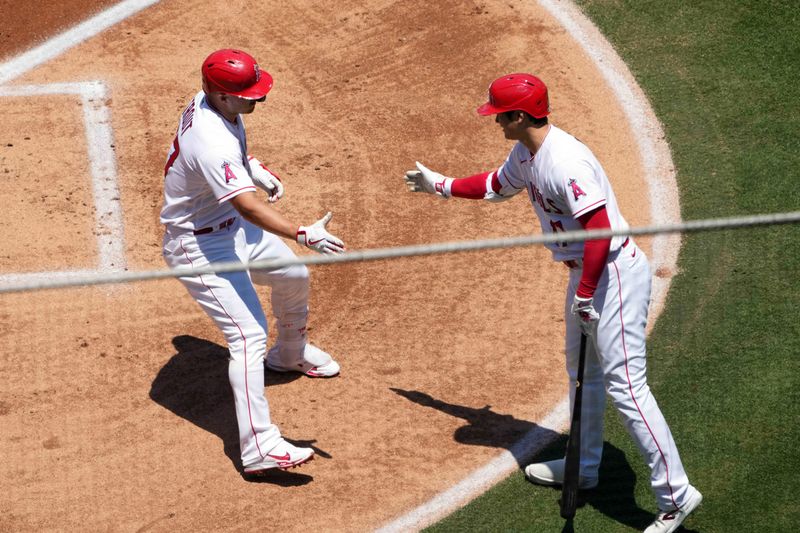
x=116 y=410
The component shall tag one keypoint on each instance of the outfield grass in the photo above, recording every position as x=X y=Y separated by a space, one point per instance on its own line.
x=724 y=78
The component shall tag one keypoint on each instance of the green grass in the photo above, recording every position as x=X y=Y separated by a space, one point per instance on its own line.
x=724 y=78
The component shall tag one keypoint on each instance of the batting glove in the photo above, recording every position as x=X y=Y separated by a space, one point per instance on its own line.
x=317 y=237
x=585 y=314
x=264 y=178
x=425 y=180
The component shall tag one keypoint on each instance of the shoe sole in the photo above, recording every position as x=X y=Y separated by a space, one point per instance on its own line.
x=313 y=374
x=554 y=483
x=310 y=373
x=557 y=484
x=280 y=466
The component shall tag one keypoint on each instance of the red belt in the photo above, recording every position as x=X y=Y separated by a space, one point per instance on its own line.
x=578 y=263
x=221 y=225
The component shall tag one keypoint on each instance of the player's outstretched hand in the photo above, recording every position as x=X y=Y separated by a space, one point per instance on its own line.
x=317 y=237
x=586 y=315
x=264 y=178
x=426 y=180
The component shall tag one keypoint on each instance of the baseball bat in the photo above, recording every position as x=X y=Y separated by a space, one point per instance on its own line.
x=572 y=460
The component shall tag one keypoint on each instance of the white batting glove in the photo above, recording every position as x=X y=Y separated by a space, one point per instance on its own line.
x=585 y=314
x=317 y=237
x=426 y=180
x=264 y=178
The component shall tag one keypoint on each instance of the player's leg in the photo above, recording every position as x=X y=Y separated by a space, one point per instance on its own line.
x=593 y=406
x=232 y=303
x=289 y=297
x=594 y=399
x=621 y=342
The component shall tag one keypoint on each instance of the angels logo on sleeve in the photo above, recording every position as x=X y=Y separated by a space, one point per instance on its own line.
x=229 y=175
x=576 y=189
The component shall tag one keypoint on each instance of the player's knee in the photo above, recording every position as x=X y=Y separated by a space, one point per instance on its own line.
x=298 y=274
x=294 y=284
x=623 y=391
x=251 y=343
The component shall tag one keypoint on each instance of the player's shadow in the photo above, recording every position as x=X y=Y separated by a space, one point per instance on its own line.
x=485 y=427
x=614 y=496
x=194 y=385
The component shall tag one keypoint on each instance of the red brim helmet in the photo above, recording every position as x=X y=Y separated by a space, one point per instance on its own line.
x=236 y=73
x=517 y=92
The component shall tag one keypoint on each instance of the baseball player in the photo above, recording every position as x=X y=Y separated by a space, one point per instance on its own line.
x=608 y=291
x=212 y=213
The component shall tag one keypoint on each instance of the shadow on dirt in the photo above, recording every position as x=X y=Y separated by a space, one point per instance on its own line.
x=486 y=427
x=194 y=385
x=614 y=496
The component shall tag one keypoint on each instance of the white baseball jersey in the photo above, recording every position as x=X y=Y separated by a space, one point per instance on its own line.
x=206 y=167
x=564 y=180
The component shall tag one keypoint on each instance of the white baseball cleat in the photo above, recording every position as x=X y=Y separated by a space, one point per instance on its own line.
x=669 y=521
x=283 y=456
x=552 y=473
x=315 y=363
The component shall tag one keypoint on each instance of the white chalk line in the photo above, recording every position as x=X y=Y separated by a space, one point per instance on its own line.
x=108 y=207
x=109 y=229
x=484 y=477
x=59 y=44
x=664 y=208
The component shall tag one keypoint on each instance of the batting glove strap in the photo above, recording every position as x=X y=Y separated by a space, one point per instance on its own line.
x=425 y=180
x=446 y=187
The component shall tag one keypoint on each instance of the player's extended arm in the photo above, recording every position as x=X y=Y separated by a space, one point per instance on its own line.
x=483 y=186
x=315 y=236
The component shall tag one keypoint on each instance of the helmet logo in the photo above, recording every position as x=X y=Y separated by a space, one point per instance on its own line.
x=258 y=72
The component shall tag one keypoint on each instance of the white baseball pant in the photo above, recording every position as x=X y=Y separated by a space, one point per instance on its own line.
x=230 y=299
x=616 y=363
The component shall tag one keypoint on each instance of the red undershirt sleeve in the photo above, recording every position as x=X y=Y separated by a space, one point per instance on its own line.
x=595 y=251
x=473 y=187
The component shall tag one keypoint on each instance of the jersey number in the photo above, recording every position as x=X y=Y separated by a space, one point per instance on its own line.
x=173 y=155
x=558 y=226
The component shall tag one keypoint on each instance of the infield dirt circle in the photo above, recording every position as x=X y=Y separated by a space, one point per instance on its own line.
x=116 y=409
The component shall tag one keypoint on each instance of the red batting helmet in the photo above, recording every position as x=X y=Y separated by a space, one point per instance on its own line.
x=235 y=72
x=517 y=92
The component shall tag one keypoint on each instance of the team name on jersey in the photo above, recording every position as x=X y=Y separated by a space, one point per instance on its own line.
x=186 y=118
x=547 y=205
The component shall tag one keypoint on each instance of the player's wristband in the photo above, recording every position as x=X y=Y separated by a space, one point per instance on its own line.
x=445 y=187
x=300 y=236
